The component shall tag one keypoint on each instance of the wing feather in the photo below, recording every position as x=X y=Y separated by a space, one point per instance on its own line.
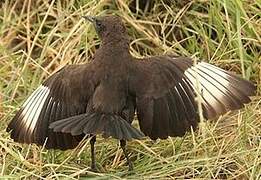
x=54 y=100
x=165 y=89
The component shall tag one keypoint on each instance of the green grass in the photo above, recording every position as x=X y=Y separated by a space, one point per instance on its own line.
x=39 y=37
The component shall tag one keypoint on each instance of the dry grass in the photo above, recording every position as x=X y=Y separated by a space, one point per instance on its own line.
x=39 y=37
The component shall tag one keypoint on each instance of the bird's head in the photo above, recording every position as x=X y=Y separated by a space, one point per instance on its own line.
x=109 y=28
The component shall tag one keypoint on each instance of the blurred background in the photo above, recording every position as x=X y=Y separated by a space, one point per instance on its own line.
x=37 y=38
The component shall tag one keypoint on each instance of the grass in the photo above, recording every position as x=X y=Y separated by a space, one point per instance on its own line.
x=37 y=38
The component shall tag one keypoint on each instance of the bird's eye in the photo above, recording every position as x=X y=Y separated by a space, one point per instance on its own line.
x=98 y=23
x=99 y=27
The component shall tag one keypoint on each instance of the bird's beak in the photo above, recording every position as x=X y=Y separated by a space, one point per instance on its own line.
x=92 y=19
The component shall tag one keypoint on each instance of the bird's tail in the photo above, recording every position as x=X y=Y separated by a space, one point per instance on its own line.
x=97 y=123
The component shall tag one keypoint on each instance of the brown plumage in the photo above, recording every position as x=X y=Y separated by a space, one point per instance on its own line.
x=101 y=97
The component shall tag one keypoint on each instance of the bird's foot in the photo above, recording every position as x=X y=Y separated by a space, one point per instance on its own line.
x=130 y=167
x=94 y=168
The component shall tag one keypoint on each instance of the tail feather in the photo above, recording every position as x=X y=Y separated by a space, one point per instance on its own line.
x=134 y=134
x=70 y=125
x=125 y=129
x=78 y=129
x=117 y=126
x=106 y=124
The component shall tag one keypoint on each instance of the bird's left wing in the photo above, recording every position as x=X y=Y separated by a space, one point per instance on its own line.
x=64 y=94
x=165 y=88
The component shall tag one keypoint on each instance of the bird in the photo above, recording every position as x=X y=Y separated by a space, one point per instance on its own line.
x=103 y=96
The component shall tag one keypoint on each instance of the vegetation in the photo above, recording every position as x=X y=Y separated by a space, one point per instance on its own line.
x=38 y=38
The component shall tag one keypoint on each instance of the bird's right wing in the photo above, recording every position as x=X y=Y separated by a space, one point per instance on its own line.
x=64 y=94
x=165 y=88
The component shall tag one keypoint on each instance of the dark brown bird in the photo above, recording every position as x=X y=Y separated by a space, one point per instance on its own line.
x=101 y=97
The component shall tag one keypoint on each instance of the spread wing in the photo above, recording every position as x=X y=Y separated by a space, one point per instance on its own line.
x=64 y=94
x=165 y=94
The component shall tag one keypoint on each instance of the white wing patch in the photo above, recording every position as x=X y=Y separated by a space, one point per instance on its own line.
x=33 y=107
x=213 y=82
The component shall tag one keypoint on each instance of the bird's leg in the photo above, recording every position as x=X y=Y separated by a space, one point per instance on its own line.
x=92 y=142
x=123 y=144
